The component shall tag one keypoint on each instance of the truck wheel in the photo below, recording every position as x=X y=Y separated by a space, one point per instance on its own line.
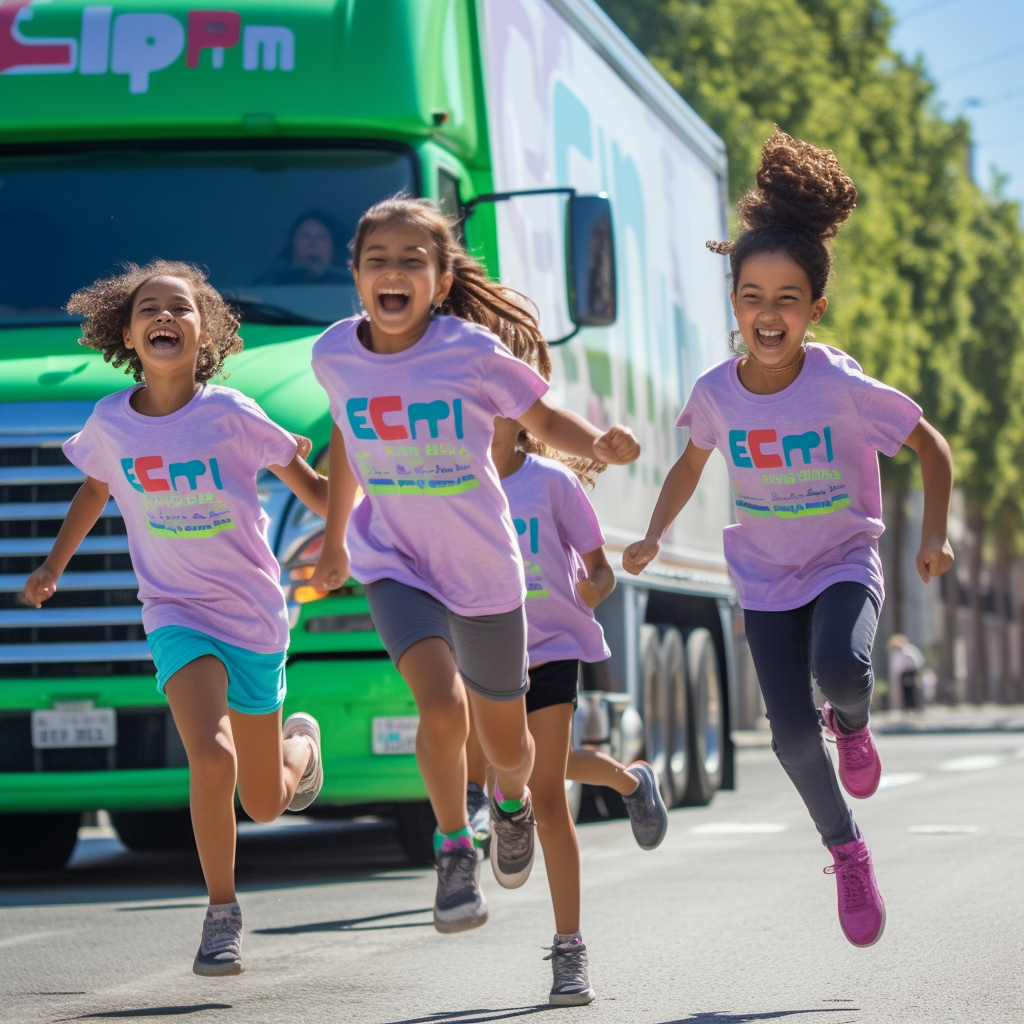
x=145 y=831
x=37 y=842
x=707 y=728
x=415 y=822
x=673 y=666
x=656 y=708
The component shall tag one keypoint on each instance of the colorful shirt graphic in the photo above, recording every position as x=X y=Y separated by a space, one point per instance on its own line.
x=555 y=523
x=418 y=426
x=803 y=465
x=186 y=487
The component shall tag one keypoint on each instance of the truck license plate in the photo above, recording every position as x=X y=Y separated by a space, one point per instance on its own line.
x=96 y=727
x=395 y=735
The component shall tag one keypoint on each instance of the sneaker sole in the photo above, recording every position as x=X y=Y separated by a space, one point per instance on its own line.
x=654 y=782
x=572 y=998
x=463 y=924
x=219 y=971
x=515 y=879
x=300 y=801
x=866 y=945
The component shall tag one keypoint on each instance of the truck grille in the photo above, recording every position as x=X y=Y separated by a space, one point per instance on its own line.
x=92 y=626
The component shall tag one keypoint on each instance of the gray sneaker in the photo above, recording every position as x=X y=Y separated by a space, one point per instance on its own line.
x=459 y=904
x=572 y=978
x=513 y=845
x=646 y=809
x=308 y=789
x=479 y=814
x=220 y=951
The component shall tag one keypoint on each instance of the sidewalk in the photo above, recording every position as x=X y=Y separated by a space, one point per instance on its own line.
x=936 y=718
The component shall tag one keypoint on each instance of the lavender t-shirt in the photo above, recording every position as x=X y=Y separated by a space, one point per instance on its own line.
x=556 y=524
x=186 y=487
x=803 y=465
x=418 y=426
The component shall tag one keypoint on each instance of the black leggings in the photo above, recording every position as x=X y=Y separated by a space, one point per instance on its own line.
x=831 y=638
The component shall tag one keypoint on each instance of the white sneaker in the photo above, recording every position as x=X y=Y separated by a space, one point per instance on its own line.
x=308 y=789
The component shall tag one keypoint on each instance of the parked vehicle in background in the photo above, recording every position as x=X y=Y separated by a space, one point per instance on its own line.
x=119 y=127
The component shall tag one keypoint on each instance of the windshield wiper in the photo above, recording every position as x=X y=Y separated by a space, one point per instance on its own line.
x=253 y=311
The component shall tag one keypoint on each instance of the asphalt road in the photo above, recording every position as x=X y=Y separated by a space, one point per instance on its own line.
x=730 y=921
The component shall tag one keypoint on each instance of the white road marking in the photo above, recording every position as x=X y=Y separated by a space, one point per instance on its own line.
x=20 y=940
x=942 y=830
x=975 y=763
x=736 y=828
x=893 y=779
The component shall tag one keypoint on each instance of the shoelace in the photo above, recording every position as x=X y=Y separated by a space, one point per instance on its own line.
x=854 y=878
x=570 y=966
x=516 y=831
x=222 y=935
x=458 y=868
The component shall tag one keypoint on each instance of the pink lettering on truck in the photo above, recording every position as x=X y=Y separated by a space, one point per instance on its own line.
x=138 y=45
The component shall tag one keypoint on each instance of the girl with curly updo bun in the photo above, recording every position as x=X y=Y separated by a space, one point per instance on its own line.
x=800 y=425
x=180 y=456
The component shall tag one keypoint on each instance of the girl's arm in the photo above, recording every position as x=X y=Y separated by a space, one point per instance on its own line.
x=573 y=435
x=677 y=490
x=935 y=555
x=596 y=581
x=86 y=507
x=305 y=482
x=332 y=567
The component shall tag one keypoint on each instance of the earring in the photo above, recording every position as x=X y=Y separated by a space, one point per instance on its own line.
x=735 y=340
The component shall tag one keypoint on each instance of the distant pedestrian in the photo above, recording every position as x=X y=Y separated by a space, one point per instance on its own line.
x=414 y=386
x=800 y=425
x=905 y=681
x=567 y=576
x=180 y=456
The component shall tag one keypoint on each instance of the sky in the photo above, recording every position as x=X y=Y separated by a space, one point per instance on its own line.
x=974 y=51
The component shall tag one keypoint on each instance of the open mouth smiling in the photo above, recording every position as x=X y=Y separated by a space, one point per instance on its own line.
x=769 y=339
x=392 y=300
x=162 y=338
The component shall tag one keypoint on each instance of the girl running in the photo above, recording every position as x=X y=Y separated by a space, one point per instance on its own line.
x=180 y=457
x=414 y=386
x=567 y=576
x=799 y=426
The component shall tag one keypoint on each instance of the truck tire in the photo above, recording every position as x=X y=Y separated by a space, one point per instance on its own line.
x=673 y=666
x=37 y=842
x=415 y=822
x=707 y=719
x=656 y=708
x=145 y=831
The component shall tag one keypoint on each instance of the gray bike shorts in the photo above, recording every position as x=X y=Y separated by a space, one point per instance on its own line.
x=490 y=650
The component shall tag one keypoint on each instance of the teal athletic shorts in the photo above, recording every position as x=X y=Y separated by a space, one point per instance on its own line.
x=256 y=683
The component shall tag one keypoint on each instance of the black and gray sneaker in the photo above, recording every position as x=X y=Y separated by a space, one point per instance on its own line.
x=646 y=809
x=308 y=789
x=220 y=951
x=459 y=904
x=572 y=978
x=479 y=814
x=512 y=843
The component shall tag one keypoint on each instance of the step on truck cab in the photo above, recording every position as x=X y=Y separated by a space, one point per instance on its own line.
x=249 y=139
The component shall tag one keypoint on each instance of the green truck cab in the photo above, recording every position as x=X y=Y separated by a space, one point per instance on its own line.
x=249 y=141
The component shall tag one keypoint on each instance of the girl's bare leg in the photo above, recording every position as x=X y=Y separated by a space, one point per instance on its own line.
x=197 y=694
x=476 y=761
x=552 y=730
x=269 y=769
x=596 y=768
x=433 y=677
x=506 y=741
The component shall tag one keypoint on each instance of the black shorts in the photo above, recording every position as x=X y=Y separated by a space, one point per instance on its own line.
x=554 y=682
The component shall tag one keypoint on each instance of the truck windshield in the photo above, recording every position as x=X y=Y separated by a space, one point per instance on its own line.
x=272 y=226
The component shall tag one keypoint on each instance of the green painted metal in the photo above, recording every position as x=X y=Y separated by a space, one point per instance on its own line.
x=402 y=70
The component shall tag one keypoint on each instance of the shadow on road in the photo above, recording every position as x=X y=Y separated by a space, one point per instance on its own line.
x=718 y=1017
x=351 y=924
x=324 y=853
x=473 y=1016
x=151 y=1011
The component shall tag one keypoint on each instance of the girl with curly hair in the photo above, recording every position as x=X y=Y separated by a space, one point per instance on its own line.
x=180 y=456
x=800 y=425
x=415 y=384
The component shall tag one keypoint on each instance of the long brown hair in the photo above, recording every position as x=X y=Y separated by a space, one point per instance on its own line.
x=475 y=297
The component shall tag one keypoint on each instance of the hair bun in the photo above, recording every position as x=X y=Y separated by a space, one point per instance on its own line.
x=798 y=185
x=722 y=248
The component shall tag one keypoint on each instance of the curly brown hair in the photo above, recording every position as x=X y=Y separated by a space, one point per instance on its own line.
x=801 y=198
x=107 y=307
x=475 y=297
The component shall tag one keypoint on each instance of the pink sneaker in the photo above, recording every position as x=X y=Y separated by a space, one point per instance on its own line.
x=860 y=767
x=861 y=910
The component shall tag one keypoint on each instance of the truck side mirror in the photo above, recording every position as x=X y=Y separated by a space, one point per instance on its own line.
x=590 y=261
